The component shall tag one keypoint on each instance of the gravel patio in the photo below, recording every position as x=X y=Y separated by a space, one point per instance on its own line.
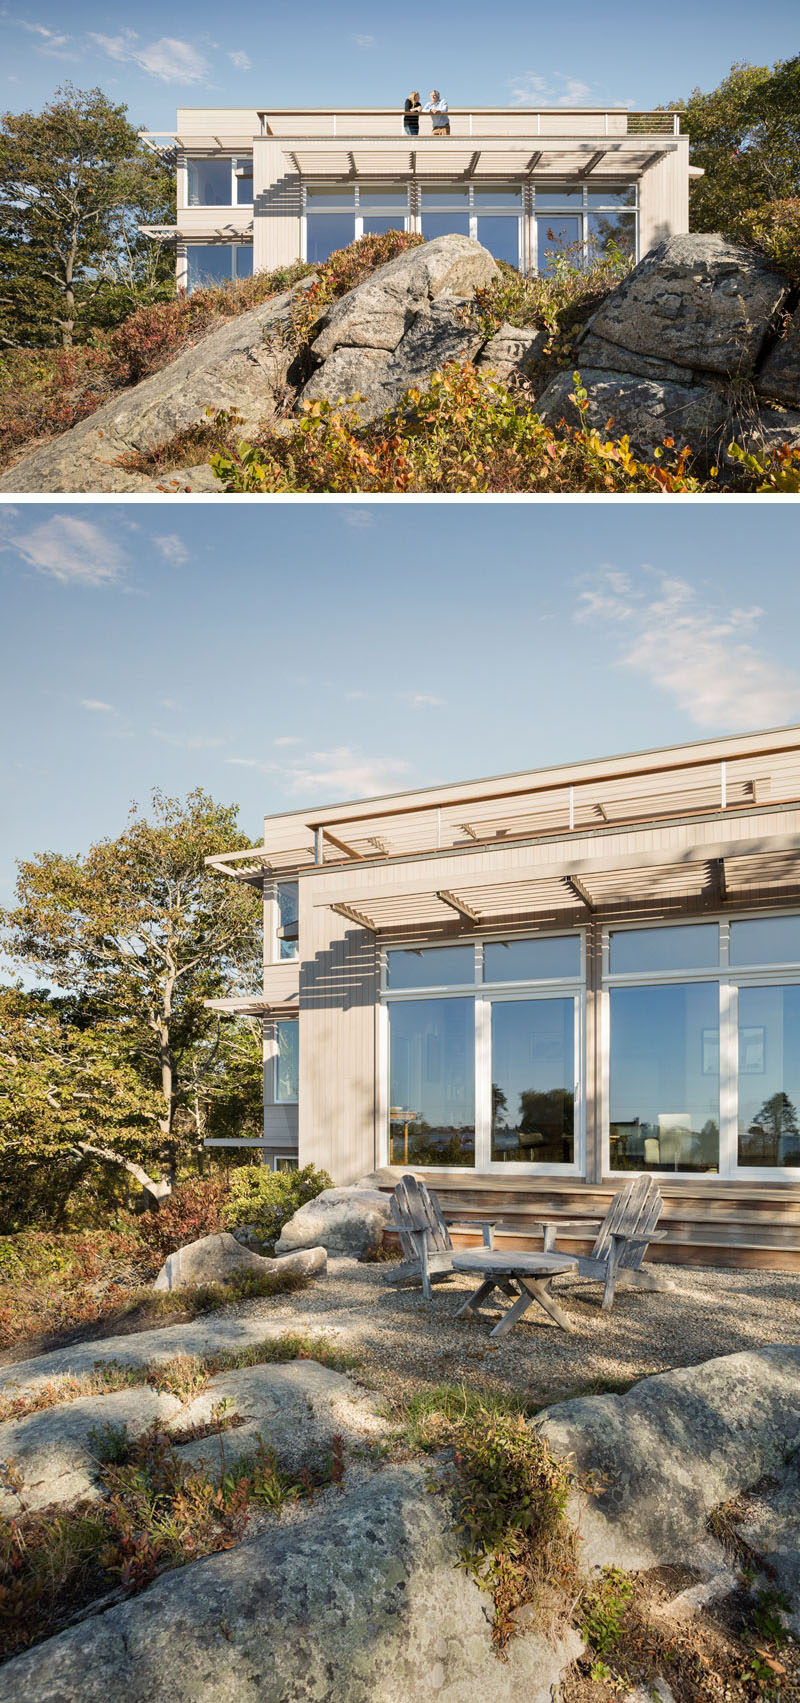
x=405 y=1345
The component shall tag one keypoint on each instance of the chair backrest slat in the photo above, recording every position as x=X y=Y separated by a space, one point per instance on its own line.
x=634 y=1213
x=413 y=1205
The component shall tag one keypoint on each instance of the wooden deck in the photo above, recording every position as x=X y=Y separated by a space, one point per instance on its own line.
x=708 y=1222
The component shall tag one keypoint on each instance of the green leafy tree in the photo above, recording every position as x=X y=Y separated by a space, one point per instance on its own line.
x=68 y=1079
x=143 y=927
x=746 y=137
x=775 y=1133
x=75 y=183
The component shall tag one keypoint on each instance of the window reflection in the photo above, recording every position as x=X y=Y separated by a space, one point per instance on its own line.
x=664 y=1078
x=444 y=225
x=545 y=959
x=501 y=237
x=286 y=1074
x=432 y=1082
x=533 y=1081
x=766 y=940
x=430 y=967
x=556 y=235
x=769 y=1076
x=327 y=232
x=287 y=919
x=688 y=946
x=209 y=183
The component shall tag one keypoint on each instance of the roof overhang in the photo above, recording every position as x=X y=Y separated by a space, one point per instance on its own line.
x=623 y=158
x=739 y=873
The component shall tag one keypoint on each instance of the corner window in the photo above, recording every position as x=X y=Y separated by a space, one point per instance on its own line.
x=223 y=181
x=287 y=1062
x=287 y=920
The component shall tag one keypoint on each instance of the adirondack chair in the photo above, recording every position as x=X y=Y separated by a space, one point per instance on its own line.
x=424 y=1234
x=622 y=1240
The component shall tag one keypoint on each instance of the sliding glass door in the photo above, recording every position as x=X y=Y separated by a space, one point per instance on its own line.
x=533 y=1081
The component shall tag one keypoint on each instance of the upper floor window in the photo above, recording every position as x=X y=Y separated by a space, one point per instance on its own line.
x=287 y=1035
x=224 y=181
x=287 y=919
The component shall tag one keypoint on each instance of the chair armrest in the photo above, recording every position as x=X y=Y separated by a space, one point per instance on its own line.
x=487 y=1226
x=551 y=1228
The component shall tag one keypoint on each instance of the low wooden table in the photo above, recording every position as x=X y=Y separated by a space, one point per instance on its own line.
x=524 y=1276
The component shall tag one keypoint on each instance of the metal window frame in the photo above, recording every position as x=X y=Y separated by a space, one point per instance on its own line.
x=234 y=161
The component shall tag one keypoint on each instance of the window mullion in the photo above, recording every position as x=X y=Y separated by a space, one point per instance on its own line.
x=483 y=1083
x=728 y=1079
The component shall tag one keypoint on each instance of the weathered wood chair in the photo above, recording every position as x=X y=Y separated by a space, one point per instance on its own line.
x=424 y=1234
x=622 y=1241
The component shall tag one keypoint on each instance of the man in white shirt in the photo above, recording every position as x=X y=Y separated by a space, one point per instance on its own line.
x=440 y=115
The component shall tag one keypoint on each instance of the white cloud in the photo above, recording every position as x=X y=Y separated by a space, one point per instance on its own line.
x=702 y=656
x=168 y=59
x=287 y=739
x=344 y=772
x=364 y=41
x=74 y=551
x=421 y=700
x=240 y=61
x=51 y=42
x=172 y=547
x=361 y=519
x=529 y=88
x=97 y=705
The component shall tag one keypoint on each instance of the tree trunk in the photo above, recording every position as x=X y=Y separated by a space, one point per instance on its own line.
x=157 y=1191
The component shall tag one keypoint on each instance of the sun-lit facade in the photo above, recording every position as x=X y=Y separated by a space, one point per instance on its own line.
x=258 y=189
x=546 y=982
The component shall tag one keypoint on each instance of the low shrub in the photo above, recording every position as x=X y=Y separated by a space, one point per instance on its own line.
x=773 y=230
x=155 y=1512
x=464 y=433
x=194 y=1209
x=268 y=1199
x=511 y=1510
x=557 y=301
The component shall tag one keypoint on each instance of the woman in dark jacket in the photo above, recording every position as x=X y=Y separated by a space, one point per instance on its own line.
x=411 y=114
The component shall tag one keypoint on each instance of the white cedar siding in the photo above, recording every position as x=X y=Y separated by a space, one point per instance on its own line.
x=277 y=206
x=339 y=997
x=664 y=198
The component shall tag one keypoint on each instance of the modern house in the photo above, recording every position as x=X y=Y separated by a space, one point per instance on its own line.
x=531 y=987
x=258 y=189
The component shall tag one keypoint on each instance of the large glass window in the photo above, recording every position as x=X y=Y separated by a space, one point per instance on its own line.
x=432 y=1082
x=286 y=1061
x=533 y=1081
x=612 y=231
x=664 y=1077
x=209 y=183
x=550 y=958
x=769 y=1075
x=688 y=946
x=444 y=225
x=430 y=967
x=210 y=263
x=501 y=237
x=287 y=919
x=327 y=232
x=556 y=234
x=765 y=940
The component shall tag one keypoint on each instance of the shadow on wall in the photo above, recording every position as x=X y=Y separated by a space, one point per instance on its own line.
x=282 y=199
x=342 y=977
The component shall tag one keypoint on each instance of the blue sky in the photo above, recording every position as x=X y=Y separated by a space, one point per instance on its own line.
x=154 y=56
x=282 y=654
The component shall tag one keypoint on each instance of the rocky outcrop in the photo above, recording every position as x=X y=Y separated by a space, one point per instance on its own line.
x=216 y=1259
x=687 y=346
x=512 y=352
x=399 y=327
x=344 y=1221
x=675 y=1447
x=362 y=1602
x=243 y=365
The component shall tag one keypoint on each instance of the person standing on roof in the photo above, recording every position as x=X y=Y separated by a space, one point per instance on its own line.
x=411 y=114
x=440 y=114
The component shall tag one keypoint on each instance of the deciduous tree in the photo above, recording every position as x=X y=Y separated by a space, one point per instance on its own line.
x=75 y=183
x=140 y=925
x=746 y=137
